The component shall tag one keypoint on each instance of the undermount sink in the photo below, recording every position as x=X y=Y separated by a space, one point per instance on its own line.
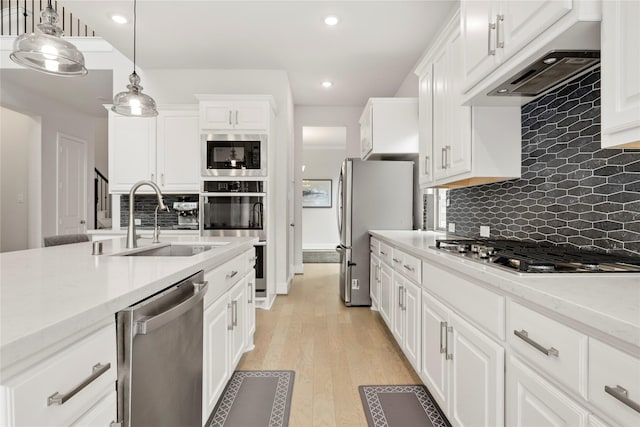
x=175 y=250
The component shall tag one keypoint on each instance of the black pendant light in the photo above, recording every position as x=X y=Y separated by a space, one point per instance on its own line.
x=133 y=102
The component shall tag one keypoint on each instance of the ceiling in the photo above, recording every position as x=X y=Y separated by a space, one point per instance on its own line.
x=369 y=53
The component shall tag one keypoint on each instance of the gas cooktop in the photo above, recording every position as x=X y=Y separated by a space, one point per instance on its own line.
x=537 y=257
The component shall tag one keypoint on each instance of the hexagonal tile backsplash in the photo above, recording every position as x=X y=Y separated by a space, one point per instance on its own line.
x=571 y=191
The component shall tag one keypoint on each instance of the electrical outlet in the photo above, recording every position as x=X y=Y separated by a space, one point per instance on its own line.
x=355 y=284
x=137 y=221
x=485 y=231
x=452 y=227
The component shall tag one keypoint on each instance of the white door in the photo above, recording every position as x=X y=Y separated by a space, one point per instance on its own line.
x=72 y=185
x=397 y=296
x=441 y=119
x=250 y=326
x=425 y=111
x=178 y=150
x=477 y=377
x=435 y=367
x=251 y=115
x=385 y=293
x=411 y=341
x=479 y=48
x=533 y=402
x=216 y=115
x=238 y=298
x=215 y=345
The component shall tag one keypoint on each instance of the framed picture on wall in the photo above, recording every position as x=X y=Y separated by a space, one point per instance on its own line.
x=316 y=193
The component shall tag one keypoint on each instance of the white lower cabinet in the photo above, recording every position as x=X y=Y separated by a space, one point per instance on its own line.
x=462 y=367
x=386 y=293
x=228 y=326
x=534 y=402
x=102 y=414
x=397 y=324
x=374 y=282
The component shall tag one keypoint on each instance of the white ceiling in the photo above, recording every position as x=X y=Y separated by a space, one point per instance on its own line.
x=369 y=53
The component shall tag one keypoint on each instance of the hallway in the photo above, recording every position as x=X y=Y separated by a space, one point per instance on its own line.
x=333 y=349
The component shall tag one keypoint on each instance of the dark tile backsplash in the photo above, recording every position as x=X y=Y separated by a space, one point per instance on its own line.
x=571 y=191
x=145 y=209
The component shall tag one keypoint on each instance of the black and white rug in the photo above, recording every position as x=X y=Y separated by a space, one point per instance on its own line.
x=400 y=406
x=255 y=399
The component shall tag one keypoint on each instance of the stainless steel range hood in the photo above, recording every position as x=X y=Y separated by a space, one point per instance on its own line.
x=552 y=69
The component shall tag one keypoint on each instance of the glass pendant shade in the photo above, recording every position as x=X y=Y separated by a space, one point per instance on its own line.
x=133 y=102
x=45 y=50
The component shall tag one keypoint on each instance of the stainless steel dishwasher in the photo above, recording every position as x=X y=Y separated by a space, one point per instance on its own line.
x=160 y=357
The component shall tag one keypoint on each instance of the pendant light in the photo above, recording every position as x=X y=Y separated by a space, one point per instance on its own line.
x=133 y=102
x=46 y=51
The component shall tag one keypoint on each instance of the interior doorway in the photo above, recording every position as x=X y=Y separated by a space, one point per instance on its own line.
x=72 y=185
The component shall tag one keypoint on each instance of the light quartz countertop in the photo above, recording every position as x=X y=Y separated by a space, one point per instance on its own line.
x=608 y=303
x=48 y=294
x=141 y=231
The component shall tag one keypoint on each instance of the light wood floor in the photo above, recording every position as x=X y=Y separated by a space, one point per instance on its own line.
x=332 y=348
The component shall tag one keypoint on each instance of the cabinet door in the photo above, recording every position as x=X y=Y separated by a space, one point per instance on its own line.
x=132 y=151
x=425 y=112
x=620 y=71
x=434 y=370
x=523 y=21
x=533 y=402
x=441 y=118
x=238 y=298
x=412 y=327
x=478 y=35
x=374 y=281
x=251 y=307
x=477 y=377
x=178 y=148
x=251 y=115
x=216 y=115
x=102 y=414
x=458 y=147
x=215 y=370
x=386 y=288
x=397 y=296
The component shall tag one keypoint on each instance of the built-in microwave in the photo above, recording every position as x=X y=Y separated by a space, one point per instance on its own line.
x=234 y=155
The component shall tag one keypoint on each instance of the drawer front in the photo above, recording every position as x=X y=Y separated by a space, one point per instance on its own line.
x=102 y=414
x=224 y=277
x=555 y=348
x=386 y=253
x=476 y=303
x=374 y=246
x=397 y=259
x=412 y=268
x=611 y=368
x=63 y=373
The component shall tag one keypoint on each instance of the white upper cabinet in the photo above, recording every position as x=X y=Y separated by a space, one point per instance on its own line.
x=178 y=151
x=479 y=51
x=388 y=128
x=236 y=112
x=620 y=74
x=163 y=149
x=461 y=145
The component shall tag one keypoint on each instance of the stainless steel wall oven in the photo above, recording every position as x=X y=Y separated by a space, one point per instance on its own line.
x=234 y=155
x=233 y=208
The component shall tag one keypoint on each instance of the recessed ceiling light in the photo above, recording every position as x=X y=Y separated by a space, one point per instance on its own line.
x=502 y=91
x=327 y=84
x=119 y=19
x=550 y=61
x=331 y=20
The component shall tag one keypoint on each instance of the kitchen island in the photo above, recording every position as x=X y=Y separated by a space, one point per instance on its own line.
x=59 y=303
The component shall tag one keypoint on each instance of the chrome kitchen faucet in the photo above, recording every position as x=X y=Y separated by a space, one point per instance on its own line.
x=132 y=241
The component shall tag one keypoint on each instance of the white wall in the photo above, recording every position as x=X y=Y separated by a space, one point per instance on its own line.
x=17 y=133
x=101 y=157
x=55 y=117
x=319 y=228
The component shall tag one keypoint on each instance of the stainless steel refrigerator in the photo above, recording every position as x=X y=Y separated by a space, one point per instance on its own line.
x=372 y=195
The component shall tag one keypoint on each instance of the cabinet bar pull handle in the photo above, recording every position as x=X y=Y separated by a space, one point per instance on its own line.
x=153 y=177
x=500 y=31
x=396 y=260
x=449 y=356
x=524 y=336
x=622 y=394
x=447 y=151
x=232 y=274
x=250 y=300
x=426 y=165
x=408 y=267
x=377 y=273
x=230 y=307
x=230 y=113
x=383 y=253
x=234 y=311
x=492 y=27
x=444 y=154
x=404 y=298
x=162 y=179
x=59 y=399
x=443 y=346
